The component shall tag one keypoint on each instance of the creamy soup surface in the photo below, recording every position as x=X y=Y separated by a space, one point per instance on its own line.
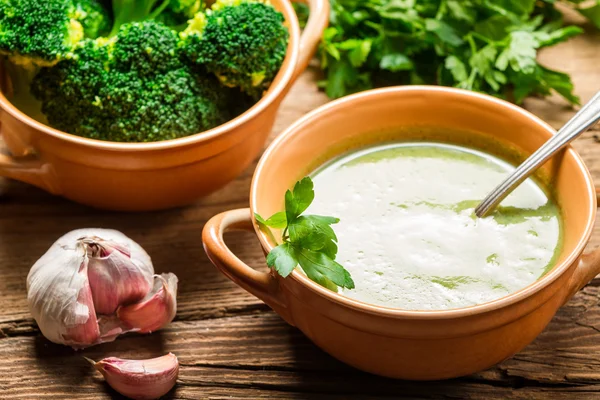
x=407 y=231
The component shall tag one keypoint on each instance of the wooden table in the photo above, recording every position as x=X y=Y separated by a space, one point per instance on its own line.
x=231 y=345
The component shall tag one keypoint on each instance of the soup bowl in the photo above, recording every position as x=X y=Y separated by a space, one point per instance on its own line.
x=157 y=175
x=419 y=345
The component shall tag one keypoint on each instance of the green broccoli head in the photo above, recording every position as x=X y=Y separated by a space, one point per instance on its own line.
x=69 y=90
x=148 y=48
x=168 y=106
x=242 y=42
x=38 y=33
x=94 y=18
x=133 y=87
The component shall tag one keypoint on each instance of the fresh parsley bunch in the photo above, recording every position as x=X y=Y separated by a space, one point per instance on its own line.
x=308 y=240
x=483 y=45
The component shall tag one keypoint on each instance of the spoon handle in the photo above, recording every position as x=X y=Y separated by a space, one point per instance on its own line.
x=584 y=119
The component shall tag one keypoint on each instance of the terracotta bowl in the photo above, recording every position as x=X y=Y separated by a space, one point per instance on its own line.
x=420 y=345
x=150 y=176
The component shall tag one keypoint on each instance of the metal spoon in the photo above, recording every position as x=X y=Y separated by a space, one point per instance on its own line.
x=581 y=122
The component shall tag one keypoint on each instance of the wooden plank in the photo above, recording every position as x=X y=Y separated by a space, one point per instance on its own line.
x=229 y=343
x=261 y=352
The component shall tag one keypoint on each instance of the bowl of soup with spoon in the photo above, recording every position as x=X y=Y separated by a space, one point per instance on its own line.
x=438 y=292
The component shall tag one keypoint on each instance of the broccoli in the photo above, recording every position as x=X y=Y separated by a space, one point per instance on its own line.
x=41 y=33
x=66 y=89
x=136 y=79
x=242 y=42
x=125 y=11
x=38 y=33
x=178 y=12
x=94 y=18
x=133 y=87
x=167 y=11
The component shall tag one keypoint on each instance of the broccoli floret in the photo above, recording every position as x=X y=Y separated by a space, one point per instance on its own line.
x=94 y=18
x=169 y=106
x=148 y=48
x=68 y=90
x=41 y=33
x=38 y=33
x=242 y=42
x=134 y=87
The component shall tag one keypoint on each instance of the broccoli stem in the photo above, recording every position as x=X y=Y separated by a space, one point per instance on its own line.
x=125 y=11
x=158 y=10
x=19 y=93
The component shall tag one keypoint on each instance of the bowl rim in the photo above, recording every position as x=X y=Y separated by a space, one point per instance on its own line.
x=502 y=302
x=285 y=78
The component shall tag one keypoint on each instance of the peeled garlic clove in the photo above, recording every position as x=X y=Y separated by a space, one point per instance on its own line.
x=156 y=310
x=140 y=379
x=114 y=277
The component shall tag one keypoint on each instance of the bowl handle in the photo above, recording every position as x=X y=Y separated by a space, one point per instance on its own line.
x=318 y=20
x=261 y=284
x=27 y=169
x=586 y=270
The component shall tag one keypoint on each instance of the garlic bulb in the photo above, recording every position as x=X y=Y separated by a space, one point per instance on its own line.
x=140 y=379
x=76 y=290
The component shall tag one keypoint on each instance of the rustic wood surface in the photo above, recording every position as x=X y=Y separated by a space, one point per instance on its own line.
x=231 y=345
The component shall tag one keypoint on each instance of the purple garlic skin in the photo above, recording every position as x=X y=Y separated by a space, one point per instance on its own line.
x=75 y=290
x=115 y=278
x=140 y=379
x=156 y=310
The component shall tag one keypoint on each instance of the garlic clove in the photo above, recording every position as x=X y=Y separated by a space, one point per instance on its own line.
x=81 y=334
x=60 y=298
x=110 y=327
x=156 y=310
x=140 y=379
x=114 y=278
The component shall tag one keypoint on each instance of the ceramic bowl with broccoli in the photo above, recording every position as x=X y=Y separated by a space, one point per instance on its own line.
x=140 y=71
x=139 y=105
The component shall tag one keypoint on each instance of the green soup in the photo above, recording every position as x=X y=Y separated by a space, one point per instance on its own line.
x=407 y=231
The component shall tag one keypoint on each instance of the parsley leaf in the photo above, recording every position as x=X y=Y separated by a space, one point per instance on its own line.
x=308 y=240
x=313 y=232
x=277 y=220
x=520 y=53
x=443 y=31
x=320 y=267
x=283 y=259
x=457 y=68
x=396 y=62
x=488 y=46
x=298 y=199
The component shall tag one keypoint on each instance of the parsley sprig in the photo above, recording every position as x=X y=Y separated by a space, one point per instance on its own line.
x=487 y=46
x=308 y=240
